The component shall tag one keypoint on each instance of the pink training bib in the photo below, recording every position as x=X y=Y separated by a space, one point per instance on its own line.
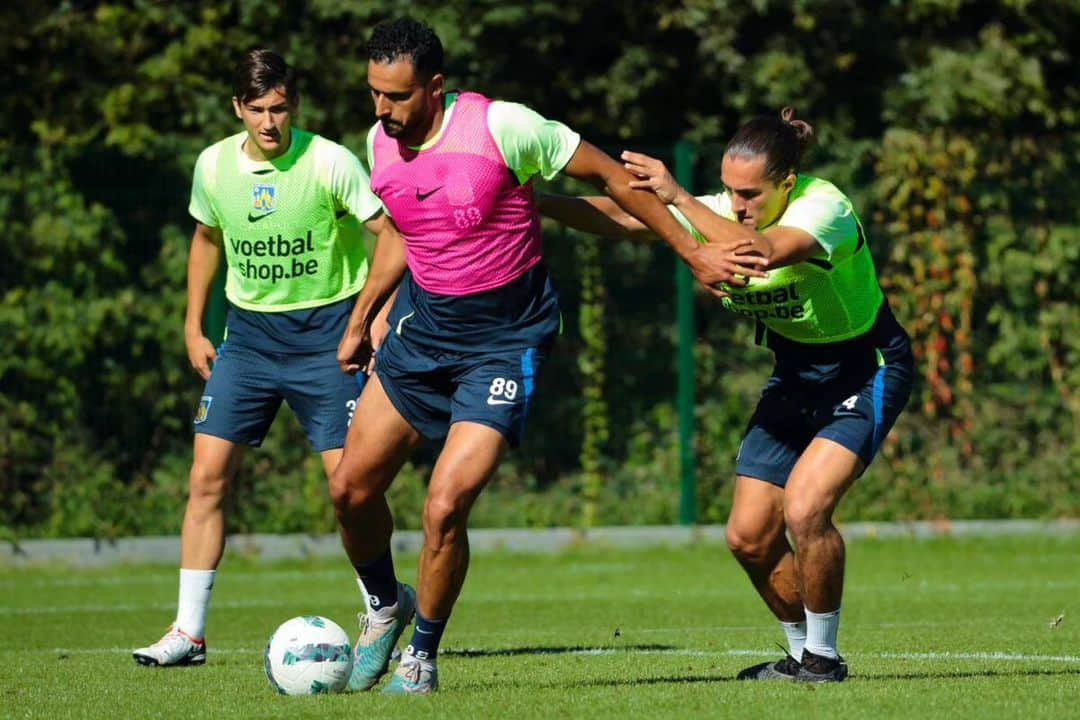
x=468 y=225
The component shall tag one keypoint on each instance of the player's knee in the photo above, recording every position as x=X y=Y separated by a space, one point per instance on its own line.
x=338 y=487
x=806 y=517
x=444 y=517
x=747 y=547
x=206 y=485
x=348 y=493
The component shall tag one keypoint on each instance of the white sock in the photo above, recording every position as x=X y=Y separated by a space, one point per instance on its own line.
x=195 y=586
x=821 y=633
x=796 y=637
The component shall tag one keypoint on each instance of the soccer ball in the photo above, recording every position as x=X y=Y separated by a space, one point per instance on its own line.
x=308 y=655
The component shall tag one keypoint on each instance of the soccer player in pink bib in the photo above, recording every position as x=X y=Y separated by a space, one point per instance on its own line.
x=469 y=327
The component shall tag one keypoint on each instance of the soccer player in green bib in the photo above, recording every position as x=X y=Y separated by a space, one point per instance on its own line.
x=285 y=206
x=843 y=369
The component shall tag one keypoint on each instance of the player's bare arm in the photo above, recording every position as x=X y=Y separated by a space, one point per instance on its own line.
x=778 y=246
x=387 y=268
x=720 y=264
x=380 y=326
x=204 y=258
x=596 y=215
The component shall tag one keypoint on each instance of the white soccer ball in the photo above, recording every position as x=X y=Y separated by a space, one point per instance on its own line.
x=308 y=655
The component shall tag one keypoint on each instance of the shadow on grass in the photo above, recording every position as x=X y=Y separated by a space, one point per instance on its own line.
x=583 y=650
x=967 y=675
x=857 y=679
x=690 y=679
x=666 y=680
x=563 y=650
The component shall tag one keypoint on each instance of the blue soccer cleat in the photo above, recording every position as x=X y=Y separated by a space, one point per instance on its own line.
x=378 y=640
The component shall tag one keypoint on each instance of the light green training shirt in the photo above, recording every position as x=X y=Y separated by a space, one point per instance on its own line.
x=293 y=238
x=829 y=297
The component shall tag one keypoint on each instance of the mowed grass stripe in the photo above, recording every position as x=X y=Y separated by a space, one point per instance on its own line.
x=928 y=631
x=607 y=651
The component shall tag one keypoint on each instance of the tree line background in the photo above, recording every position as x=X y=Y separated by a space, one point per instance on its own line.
x=953 y=124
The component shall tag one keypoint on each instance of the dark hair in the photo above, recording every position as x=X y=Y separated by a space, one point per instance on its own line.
x=259 y=72
x=781 y=139
x=392 y=40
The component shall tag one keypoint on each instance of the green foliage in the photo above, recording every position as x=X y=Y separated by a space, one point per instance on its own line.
x=591 y=365
x=953 y=125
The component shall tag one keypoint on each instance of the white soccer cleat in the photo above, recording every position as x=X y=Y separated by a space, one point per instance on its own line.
x=413 y=677
x=174 y=649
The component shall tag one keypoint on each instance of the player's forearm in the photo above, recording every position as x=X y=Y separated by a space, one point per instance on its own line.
x=387 y=268
x=652 y=213
x=594 y=215
x=595 y=167
x=204 y=258
x=717 y=229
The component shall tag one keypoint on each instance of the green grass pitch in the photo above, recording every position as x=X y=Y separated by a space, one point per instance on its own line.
x=973 y=628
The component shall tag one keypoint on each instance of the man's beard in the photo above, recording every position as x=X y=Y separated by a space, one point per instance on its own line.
x=393 y=128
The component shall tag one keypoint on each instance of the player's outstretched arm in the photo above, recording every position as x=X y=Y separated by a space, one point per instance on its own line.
x=722 y=263
x=778 y=246
x=204 y=258
x=595 y=214
x=387 y=268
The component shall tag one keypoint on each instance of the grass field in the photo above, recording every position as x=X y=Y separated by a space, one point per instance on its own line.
x=931 y=629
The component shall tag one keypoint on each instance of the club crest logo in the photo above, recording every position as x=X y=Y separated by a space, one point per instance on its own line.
x=204 y=409
x=262 y=198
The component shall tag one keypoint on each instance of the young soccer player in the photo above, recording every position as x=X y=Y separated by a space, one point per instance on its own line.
x=285 y=206
x=843 y=369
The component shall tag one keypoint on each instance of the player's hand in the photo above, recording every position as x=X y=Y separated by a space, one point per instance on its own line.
x=354 y=350
x=719 y=265
x=201 y=354
x=652 y=175
x=379 y=328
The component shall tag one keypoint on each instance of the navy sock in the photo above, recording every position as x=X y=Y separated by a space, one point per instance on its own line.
x=426 y=637
x=379 y=580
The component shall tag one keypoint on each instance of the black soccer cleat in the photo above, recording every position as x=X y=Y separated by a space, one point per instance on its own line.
x=786 y=668
x=818 y=669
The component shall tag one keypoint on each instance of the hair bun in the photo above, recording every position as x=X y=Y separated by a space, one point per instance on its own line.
x=803 y=130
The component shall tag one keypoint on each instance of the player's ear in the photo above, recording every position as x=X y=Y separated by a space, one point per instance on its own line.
x=437 y=85
x=236 y=108
x=788 y=183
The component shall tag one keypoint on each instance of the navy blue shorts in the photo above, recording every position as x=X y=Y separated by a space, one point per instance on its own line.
x=246 y=388
x=854 y=409
x=433 y=388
